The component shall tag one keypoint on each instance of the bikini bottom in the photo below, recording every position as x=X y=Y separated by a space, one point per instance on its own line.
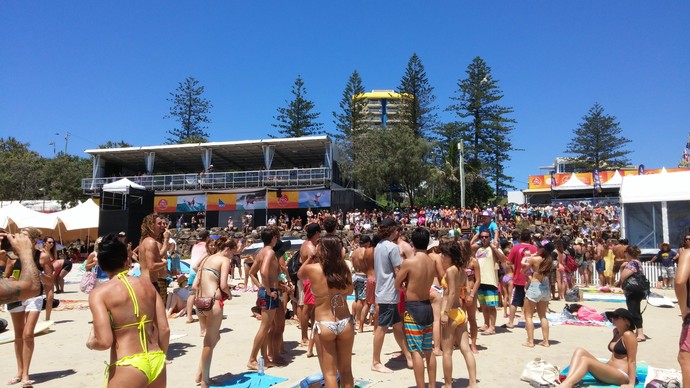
x=151 y=364
x=336 y=327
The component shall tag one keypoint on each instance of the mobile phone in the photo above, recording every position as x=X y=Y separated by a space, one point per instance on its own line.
x=5 y=243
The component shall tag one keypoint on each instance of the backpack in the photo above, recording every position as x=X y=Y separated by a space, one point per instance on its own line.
x=570 y=263
x=293 y=266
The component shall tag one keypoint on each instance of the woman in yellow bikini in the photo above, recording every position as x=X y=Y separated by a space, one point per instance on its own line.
x=129 y=319
x=453 y=317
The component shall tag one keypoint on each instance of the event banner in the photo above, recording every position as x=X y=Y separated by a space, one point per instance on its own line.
x=251 y=201
x=165 y=203
x=191 y=203
x=315 y=198
x=288 y=200
x=221 y=202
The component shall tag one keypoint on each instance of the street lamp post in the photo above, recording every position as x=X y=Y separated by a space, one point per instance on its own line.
x=461 y=173
x=43 y=194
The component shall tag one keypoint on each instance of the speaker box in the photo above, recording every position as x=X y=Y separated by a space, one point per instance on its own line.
x=124 y=213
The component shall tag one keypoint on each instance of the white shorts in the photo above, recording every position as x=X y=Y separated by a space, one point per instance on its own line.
x=29 y=305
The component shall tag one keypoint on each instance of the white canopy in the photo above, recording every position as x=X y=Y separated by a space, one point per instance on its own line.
x=671 y=186
x=122 y=186
x=22 y=217
x=573 y=183
x=615 y=181
x=78 y=222
x=82 y=216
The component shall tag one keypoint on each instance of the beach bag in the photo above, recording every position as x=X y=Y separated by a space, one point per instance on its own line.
x=88 y=281
x=636 y=282
x=570 y=263
x=293 y=266
x=585 y=313
x=572 y=295
x=540 y=373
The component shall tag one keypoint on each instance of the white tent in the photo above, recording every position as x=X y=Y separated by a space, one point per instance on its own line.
x=82 y=216
x=122 y=186
x=615 y=181
x=22 y=217
x=573 y=183
x=655 y=208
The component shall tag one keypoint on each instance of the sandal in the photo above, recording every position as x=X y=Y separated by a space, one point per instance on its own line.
x=27 y=383
x=14 y=380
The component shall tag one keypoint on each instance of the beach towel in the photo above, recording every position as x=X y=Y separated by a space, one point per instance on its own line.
x=590 y=381
x=663 y=376
x=251 y=380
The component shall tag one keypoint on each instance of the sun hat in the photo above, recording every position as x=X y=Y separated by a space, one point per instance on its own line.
x=579 y=240
x=622 y=313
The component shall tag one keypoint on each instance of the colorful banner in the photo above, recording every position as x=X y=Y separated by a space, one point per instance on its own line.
x=251 y=201
x=221 y=202
x=288 y=200
x=315 y=198
x=191 y=203
x=165 y=203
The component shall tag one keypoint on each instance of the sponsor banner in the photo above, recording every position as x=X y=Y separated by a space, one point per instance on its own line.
x=288 y=200
x=221 y=202
x=597 y=180
x=315 y=198
x=165 y=203
x=191 y=203
x=251 y=201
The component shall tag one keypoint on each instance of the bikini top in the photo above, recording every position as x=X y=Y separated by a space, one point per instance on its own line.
x=142 y=320
x=212 y=270
x=619 y=347
x=469 y=271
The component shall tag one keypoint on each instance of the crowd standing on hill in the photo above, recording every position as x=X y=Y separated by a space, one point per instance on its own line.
x=424 y=272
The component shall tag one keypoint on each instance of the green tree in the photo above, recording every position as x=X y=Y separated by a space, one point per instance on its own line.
x=19 y=165
x=297 y=119
x=190 y=109
x=418 y=109
x=393 y=155
x=350 y=118
x=115 y=144
x=62 y=177
x=487 y=126
x=597 y=141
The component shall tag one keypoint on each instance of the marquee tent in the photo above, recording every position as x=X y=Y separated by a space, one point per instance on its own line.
x=655 y=208
x=122 y=186
x=573 y=183
x=79 y=222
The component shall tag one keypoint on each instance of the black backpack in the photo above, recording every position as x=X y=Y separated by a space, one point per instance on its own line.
x=293 y=266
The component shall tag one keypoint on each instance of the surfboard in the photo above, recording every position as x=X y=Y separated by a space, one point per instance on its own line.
x=658 y=300
x=601 y=297
x=41 y=326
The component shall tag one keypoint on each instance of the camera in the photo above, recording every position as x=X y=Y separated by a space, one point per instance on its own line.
x=5 y=243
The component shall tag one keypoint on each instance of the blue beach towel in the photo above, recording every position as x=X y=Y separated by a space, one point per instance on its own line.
x=590 y=381
x=252 y=380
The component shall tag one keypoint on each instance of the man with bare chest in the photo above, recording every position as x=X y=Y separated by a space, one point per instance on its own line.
x=153 y=263
x=359 y=280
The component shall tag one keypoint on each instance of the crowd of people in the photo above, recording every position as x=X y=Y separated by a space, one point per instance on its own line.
x=429 y=287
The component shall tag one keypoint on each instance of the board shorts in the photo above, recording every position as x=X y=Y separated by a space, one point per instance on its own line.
x=668 y=272
x=488 y=295
x=266 y=301
x=34 y=304
x=419 y=331
x=371 y=291
x=518 y=296
x=360 y=284
x=308 y=295
x=388 y=315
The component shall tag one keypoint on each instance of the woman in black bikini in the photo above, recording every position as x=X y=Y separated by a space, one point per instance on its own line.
x=212 y=281
x=331 y=283
x=621 y=368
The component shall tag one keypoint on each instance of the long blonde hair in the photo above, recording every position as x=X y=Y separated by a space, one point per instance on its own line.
x=149 y=227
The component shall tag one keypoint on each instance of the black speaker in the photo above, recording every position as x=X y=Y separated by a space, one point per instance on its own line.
x=124 y=213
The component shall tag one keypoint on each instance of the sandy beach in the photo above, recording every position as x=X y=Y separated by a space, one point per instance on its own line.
x=61 y=358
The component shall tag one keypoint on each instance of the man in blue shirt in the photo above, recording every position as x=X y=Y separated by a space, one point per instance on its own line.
x=489 y=225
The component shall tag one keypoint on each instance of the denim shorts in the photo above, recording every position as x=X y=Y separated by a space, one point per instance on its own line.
x=538 y=292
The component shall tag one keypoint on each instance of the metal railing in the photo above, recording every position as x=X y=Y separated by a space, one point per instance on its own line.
x=296 y=177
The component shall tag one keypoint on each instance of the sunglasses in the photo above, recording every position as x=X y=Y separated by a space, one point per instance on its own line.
x=484 y=236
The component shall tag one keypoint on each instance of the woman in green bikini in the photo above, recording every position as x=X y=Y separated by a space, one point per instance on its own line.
x=129 y=319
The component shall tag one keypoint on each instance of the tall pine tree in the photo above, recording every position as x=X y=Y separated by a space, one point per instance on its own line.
x=297 y=119
x=418 y=110
x=597 y=141
x=487 y=130
x=190 y=109
x=350 y=118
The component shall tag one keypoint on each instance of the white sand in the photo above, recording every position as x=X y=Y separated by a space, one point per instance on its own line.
x=62 y=360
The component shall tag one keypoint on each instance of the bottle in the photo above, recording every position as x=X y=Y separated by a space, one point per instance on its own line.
x=261 y=366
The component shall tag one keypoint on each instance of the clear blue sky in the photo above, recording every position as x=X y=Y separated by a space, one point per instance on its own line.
x=103 y=70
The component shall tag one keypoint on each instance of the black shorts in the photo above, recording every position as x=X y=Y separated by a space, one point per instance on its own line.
x=388 y=315
x=518 y=296
x=235 y=261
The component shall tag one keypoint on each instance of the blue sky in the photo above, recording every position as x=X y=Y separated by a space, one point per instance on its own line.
x=103 y=70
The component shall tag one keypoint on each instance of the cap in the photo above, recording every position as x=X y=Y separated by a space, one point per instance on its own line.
x=432 y=243
x=622 y=313
x=546 y=244
x=203 y=234
x=579 y=240
x=122 y=234
x=388 y=222
x=486 y=213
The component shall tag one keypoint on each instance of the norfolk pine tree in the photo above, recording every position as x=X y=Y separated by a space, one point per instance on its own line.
x=597 y=141
x=191 y=110
x=488 y=131
x=297 y=119
x=418 y=111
